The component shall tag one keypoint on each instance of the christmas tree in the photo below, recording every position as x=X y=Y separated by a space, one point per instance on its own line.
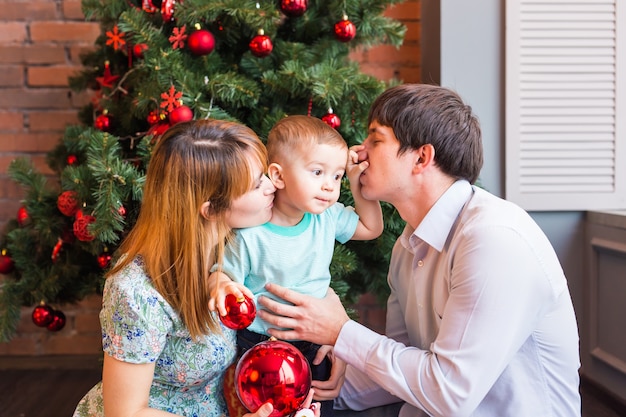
x=160 y=63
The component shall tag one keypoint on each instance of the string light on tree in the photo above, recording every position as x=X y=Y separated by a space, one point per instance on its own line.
x=22 y=216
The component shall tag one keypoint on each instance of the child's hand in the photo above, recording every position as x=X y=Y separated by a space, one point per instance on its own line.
x=356 y=164
x=221 y=286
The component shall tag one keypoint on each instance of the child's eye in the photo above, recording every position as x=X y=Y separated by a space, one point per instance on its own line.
x=317 y=172
x=338 y=177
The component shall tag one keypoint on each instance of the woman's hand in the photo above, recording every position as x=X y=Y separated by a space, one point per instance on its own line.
x=266 y=409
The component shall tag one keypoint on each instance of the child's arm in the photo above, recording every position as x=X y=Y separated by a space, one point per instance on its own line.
x=221 y=286
x=370 y=224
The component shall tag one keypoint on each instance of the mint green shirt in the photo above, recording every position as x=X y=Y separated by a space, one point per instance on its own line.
x=296 y=257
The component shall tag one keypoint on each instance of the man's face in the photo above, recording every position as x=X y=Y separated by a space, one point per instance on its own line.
x=388 y=173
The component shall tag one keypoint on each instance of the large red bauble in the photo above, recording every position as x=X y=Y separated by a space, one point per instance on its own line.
x=180 y=114
x=294 y=8
x=273 y=371
x=67 y=203
x=42 y=315
x=239 y=313
x=22 y=216
x=345 y=30
x=58 y=321
x=201 y=42
x=261 y=45
x=6 y=263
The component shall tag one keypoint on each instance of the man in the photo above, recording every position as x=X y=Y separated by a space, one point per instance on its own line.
x=480 y=320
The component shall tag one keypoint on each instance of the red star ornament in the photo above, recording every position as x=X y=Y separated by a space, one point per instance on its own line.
x=107 y=79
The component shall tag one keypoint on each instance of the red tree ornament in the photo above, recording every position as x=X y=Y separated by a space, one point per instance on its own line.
x=58 y=321
x=22 y=216
x=273 y=371
x=167 y=10
x=6 y=263
x=293 y=8
x=158 y=129
x=180 y=114
x=57 y=250
x=139 y=49
x=103 y=122
x=104 y=259
x=239 y=313
x=67 y=203
x=345 y=30
x=261 y=45
x=72 y=159
x=42 y=315
x=201 y=42
x=331 y=119
x=81 y=228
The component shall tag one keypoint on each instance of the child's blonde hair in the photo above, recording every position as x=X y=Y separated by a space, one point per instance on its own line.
x=299 y=133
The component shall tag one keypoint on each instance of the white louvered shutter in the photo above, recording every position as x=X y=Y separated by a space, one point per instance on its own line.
x=565 y=104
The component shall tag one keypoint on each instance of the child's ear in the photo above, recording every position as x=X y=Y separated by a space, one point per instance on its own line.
x=275 y=174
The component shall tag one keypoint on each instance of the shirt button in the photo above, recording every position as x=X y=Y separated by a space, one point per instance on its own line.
x=420 y=263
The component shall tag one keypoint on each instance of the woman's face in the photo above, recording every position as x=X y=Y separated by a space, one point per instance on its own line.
x=254 y=207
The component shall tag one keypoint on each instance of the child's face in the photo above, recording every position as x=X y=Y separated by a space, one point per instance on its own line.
x=313 y=178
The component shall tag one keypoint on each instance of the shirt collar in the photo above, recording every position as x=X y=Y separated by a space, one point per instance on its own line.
x=435 y=227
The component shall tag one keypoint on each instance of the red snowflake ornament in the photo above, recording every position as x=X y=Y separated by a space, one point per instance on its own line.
x=171 y=99
x=116 y=38
x=178 y=37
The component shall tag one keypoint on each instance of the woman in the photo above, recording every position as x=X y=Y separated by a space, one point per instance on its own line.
x=165 y=352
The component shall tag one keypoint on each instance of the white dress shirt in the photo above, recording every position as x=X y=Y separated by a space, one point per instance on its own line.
x=479 y=321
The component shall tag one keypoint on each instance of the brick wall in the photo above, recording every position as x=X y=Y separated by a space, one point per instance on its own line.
x=40 y=45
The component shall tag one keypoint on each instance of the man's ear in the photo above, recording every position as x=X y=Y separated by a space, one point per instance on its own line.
x=424 y=156
x=275 y=174
x=205 y=210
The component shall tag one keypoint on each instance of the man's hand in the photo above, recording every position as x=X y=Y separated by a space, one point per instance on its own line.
x=313 y=319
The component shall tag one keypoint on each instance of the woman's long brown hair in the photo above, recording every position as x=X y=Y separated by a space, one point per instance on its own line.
x=194 y=162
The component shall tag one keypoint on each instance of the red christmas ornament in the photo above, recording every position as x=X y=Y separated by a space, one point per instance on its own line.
x=138 y=50
x=345 y=30
x=158 y=129
x=42 y=315
x=103 y=122
x=121 y=210
x=167 y=10
x=331 y=119
x=261 y=45
x=22 y=216
x=180 y=114
x=201 y=42
x=239 y=313
x=104 y=259
x=72 y=159
x=6 y=263
x=67 y=203
x=58 y=321
x=155 y=117
x=57 y=250
x=294 y=8
x=81 y=230
x=273 y=371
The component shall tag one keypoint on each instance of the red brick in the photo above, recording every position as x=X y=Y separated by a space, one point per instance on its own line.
x=32 y=10
x=404 y=11
x=410 y=74
x=80 y=32
x=21 y=345
x=72 y=344
x=11 y=121
x=32 y=54
x=52 y=76
x=9 y=191
x=41 y=98
x=72 y=9
x=28 y=142
x=12 y=32
x=50 y=120
x=413 y=32
x=12 y=75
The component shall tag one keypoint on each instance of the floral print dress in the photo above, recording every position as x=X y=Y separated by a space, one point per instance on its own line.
x=139 y=326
